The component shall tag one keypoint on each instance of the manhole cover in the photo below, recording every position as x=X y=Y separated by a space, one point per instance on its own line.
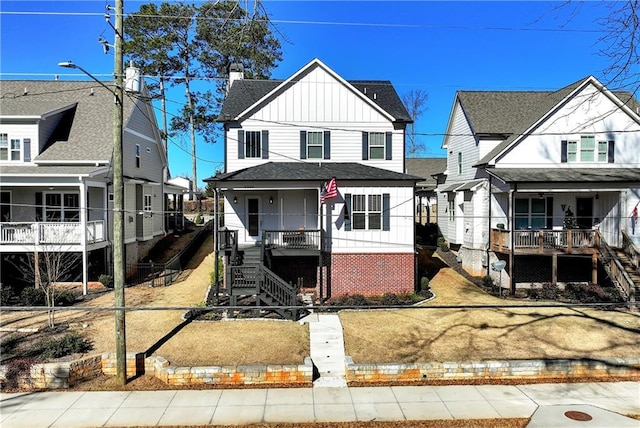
x=578 y=416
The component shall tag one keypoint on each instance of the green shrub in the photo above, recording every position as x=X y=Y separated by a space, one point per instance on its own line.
x=425 y=288
x=350 y=300
x=7 y=295
x=65 y=298
x=442 y=244
x=32 y=296
x=70 y=343
x=391 y=299
x=106 y=280
x=487 y=281
x=548 y=291
x=199 y=219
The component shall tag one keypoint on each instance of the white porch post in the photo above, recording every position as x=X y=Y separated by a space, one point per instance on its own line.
x=83 y=234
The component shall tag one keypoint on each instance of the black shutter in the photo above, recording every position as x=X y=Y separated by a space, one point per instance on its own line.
x=327 y=145
x=549 y=212
x=611 y=152
x=240 y=144
x=303 y=144
x=563 y=151
x=386 y=211
x=387 y=146
x=39 y=213
x=365 y=145
x=347 y=212
x=265 y=144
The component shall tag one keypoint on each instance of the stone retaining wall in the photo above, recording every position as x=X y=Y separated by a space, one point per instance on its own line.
x=504 y=369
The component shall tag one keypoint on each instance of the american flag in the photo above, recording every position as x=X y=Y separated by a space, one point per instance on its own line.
x=329 y=190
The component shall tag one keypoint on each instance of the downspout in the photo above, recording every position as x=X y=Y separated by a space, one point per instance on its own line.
x=512 y=236
x=489 y=228
x=216 y=247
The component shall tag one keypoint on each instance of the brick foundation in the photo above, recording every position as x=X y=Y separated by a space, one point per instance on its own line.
x=372 y=274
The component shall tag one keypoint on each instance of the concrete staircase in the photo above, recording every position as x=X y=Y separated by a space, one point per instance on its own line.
x=327 y=350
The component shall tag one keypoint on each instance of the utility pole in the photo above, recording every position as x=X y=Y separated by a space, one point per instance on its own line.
x=118 y=202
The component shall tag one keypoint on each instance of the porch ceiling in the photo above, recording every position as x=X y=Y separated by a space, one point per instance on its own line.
x=566 y=175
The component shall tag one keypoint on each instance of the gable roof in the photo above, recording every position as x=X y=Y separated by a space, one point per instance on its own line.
x=245 y=93
x=566 y=175
x=511 y=114
x=88 y=133
x=301 y=171
x=426 y=168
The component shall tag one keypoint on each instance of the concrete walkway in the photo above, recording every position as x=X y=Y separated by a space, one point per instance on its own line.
x=546 y=404
x=327 y=349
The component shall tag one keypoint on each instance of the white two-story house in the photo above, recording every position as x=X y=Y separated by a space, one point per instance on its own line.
x=56 y=149
x=540 y=180
x=284 y=141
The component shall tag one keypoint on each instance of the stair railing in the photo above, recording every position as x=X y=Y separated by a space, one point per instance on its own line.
x=616 y=272
x=277 y=288
x=631 y=250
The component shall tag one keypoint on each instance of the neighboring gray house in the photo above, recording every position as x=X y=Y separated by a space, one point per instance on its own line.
x=56 y=147
x=541 y=180
x=426 y=197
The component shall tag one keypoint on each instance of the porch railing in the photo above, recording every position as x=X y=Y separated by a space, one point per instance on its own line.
x=294 y=239
x=543 y=240
x=51 y=232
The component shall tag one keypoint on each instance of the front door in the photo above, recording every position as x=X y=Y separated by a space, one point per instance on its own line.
x=584 y=213
x=253 y=217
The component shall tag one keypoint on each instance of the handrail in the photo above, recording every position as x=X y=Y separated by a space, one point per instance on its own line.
x=277 y=288
x=543 y=239
x=614 y=268
x=294 y=238
x=631 y=250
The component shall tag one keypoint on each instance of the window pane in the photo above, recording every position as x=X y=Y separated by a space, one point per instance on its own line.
x=53 y=199
x=587 y=147
x=538 y=206
x=374 y=221
x=375 y=202
x=4 y=138
x=538 y=222
x=314 y=152
x=522 y=222
x=376 y=153
x=572 y=151
x=4 y=154
x=358 y=220
x=314 y=138
x=376 y=145
x=522 y=206
x=71 y=200
x=252 y=143
x=603 y=148
x=358 y=203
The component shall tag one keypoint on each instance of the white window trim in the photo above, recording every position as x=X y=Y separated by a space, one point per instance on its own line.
x=62 y=206
x=10 y=150
x=148 y=202
x=595 y=150
x=321 y=145
x=258 y=151
x=377 y=146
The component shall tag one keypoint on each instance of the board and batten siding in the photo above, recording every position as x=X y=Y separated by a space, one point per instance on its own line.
x=318 y=102
x=399 y=237
x=589 y=113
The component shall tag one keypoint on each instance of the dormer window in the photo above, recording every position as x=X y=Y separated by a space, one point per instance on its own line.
x=10 y=149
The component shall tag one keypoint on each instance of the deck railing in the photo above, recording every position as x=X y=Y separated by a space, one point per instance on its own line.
x=630 y=248
x=294 y=239
x=51 y=233
x=543 y=240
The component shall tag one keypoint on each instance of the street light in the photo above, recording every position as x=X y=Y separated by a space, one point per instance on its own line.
x=118 y=212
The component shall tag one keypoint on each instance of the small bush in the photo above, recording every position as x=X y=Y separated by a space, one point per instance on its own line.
x=350 y=300
x=32 y=296
x=65 y=298
x=70 y=343
x=106 y=280
x=199 y=219
x=442 y=244
x=7 y=296
x=425 y=288
x=548 y=291
x=487 y=281
x=390 y=299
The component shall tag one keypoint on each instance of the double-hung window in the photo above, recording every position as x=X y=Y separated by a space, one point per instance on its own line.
x=137 y=155
x=531 y=213
x=314 y=145
x=62 y=207
x=368 y=212
x=587 y=149
x=376 y=145
x=10 y=149
x=252 y=144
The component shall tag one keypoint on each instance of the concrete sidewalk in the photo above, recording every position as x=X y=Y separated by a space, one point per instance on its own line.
x=604 y=403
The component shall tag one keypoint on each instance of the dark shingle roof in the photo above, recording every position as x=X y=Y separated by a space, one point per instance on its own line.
x=300 y=171
x=511 y=113
x=246 y=92
x=68 y=170
x=426 y=168
x=90 y=133
x=566 y=175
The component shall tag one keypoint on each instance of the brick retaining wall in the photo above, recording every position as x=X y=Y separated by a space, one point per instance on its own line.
x=503 y=369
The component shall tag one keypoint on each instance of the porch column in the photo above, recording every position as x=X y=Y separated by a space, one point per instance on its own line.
x=512 y=223
x=554 y=269
x=83 y=234
x=594 y=268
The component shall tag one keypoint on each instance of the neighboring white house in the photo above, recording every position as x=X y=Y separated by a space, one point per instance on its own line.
x=185 y=185
x=426 y=196
x=56 y=147
x=539 y=179
x=285 y=140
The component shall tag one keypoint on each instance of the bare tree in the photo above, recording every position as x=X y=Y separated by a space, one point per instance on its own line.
x=415 y=102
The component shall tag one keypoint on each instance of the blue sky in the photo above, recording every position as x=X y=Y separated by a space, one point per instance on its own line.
x=438 y=47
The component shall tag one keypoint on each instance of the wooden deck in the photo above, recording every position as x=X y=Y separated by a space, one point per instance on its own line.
x=569 y=241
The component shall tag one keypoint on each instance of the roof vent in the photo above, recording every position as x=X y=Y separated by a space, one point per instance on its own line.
x=375 y=96
x=91 y=93
x=25 y=91
x=365 y=90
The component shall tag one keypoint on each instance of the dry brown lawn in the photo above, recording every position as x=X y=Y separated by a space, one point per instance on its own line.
x=164 y=333
x=420 y=335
